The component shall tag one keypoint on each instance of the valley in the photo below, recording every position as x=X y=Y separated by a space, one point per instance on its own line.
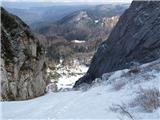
x=80 y=61
x=77 y=36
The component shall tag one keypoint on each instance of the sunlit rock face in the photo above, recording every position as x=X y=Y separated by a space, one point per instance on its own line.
x=136 y=37
x=110 y=22
x=23 y=68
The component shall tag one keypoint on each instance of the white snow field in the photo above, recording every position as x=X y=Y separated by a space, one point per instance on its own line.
x=108 y=100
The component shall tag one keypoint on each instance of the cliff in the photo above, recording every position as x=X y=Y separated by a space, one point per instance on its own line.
x=136 y=37
x=23 y=68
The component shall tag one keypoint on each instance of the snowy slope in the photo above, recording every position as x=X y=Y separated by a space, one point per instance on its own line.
x=98 y=102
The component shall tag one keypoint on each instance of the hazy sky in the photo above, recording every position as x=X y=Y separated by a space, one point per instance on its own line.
x=67 y=1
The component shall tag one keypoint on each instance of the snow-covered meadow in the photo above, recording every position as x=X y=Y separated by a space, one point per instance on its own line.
x=111 y=97
x=68 y=74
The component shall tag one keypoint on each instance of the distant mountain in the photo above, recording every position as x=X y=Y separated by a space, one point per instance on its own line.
x=135 y=38
x=35 y=14
x=88 y=24
x=77 y=35
x=107 y=10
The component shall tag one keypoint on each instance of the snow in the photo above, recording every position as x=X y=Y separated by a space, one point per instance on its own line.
x=69 y=74
x=151 y=63
x=67 y=81
x=95 y=103
x=118 y=74
x=96 y=21
x=78 y=41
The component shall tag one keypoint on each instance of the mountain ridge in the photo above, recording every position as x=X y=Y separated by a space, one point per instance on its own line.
x=86 y=24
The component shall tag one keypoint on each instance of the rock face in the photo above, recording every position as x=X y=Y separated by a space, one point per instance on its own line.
x=136 y=37
x=23 y=68
x=110 y=22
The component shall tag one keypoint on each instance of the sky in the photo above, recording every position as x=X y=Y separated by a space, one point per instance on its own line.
x=66 y=1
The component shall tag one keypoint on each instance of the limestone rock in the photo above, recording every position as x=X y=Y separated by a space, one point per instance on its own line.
x=23 y=67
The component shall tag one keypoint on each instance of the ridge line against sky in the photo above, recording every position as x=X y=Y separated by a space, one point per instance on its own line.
x=76 y=1
x=68 y=1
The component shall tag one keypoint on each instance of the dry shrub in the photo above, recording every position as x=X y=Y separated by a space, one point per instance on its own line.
x=122 y=109
x=148 y=99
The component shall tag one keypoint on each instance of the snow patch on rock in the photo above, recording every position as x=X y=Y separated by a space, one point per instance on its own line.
x=78 y=41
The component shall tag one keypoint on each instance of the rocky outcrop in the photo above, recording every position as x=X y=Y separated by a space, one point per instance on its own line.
x=23 y=68
x=136 y=37
x=110 y=22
